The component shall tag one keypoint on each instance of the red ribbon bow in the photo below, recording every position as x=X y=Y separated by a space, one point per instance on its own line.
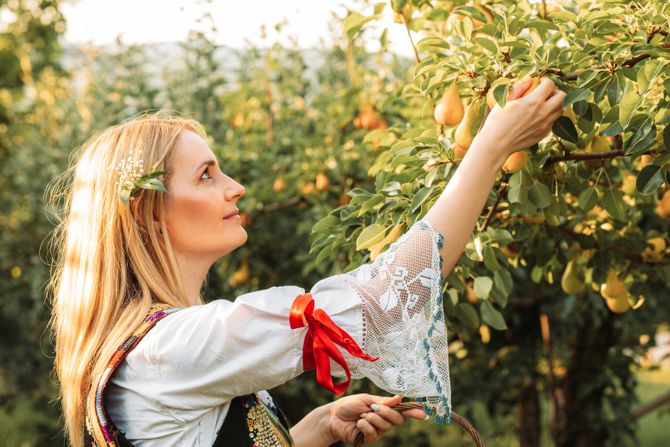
x=320 y=341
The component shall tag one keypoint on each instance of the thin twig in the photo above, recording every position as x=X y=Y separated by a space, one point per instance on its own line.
x=416 y=52
x=493 y=208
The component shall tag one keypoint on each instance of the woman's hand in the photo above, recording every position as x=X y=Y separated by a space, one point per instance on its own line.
x=371 y=415
x=522 y=122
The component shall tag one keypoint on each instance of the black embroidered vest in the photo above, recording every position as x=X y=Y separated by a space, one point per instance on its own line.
x=252 y=420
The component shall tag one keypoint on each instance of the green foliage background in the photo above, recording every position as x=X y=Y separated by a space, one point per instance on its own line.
x=290 y=114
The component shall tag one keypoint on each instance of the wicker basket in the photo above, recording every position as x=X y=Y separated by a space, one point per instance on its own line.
x=463 y=422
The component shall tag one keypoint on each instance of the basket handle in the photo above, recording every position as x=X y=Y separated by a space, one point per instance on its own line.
x=463 y=422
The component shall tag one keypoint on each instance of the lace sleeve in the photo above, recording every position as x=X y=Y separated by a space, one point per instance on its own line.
x=403 y=320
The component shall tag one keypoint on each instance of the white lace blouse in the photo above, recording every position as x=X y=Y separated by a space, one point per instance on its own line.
x=175 y=387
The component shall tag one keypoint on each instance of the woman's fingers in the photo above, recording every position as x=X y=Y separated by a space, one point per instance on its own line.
x=541 y=92
x=415 y=413
x=389 y=414
x=368 y=431
x=378 y=422
x=555 y=101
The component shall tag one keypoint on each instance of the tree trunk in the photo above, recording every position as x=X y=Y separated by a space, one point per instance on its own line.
x=581 y=396
x=529 y=426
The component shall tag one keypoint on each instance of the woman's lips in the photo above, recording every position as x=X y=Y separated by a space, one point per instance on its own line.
x=233 y=215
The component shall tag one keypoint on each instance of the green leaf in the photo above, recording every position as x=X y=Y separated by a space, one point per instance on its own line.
x=642 y=139
x=564 y=128
x=482 y=287
x=371 y=203
x=588 y=199
x=153 y=184
x=323 y=255
x=613 y=203
x=517 y=194
x=492 y=317
x=353 y=23
x=666 y=137
x=419 y=198
x=628 y=106
x=490 y=260
x=650 y=179
x=487 y=43
x=580 y=94
x=503 y=281
x=500 y=93
x=437 y=42
x=467 y=314
x=379 y=7
x=646 y=77
x=540 y=195
x=370 y=236
x=124 y=195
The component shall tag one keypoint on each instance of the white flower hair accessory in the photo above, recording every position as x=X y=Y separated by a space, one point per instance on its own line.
x=131 y=180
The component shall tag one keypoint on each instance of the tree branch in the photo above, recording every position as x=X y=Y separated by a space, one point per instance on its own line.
x=584 y=156
x=651 y=406
x=573 y=75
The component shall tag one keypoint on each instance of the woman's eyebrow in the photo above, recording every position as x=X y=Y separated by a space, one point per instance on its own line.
x=206 y=163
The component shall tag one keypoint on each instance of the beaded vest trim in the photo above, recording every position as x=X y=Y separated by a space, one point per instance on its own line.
x=264 y=423
x=98 y=425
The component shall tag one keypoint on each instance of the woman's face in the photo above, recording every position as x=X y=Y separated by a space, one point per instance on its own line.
x=200 y=207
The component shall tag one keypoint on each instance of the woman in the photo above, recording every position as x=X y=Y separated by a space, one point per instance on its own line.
x=142 y=361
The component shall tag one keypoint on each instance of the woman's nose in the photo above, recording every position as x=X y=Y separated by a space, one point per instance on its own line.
x=234 y=190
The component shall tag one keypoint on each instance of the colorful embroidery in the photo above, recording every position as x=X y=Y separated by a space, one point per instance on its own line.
x=265 y=429
x=98 y=424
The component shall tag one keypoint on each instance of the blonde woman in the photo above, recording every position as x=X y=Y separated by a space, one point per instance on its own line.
x=142 y=361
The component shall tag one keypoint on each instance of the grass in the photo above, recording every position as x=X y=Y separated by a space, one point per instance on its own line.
x=654 y=428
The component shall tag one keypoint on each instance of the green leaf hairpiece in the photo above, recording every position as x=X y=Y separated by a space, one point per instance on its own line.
x=131 y=179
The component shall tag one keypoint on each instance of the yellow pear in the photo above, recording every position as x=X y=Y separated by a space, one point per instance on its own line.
x=463 y=135
x=522 y=88
x=449 y=109
x=654 y=254
x=515 y=162
x=535 y=219
x=570 y=281
x=322 y=181
x=490 y=100
x=628 y=185
x=663 y=207
x=470 y=294
x=643 y=161
x=613 y=288
x=278 y=185
x=618 y=306
x=459 y=152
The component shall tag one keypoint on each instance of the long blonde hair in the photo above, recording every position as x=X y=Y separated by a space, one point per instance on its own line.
x=111 y=260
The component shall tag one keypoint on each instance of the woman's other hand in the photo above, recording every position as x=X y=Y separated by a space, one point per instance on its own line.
x=368 y=414
x=522 y=122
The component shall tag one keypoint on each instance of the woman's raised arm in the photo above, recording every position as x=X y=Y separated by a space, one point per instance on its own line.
x=519 y=125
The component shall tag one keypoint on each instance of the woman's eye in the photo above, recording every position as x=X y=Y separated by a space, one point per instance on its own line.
x=206 y=173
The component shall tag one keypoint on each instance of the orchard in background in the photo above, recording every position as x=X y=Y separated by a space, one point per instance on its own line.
x=567 y=274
